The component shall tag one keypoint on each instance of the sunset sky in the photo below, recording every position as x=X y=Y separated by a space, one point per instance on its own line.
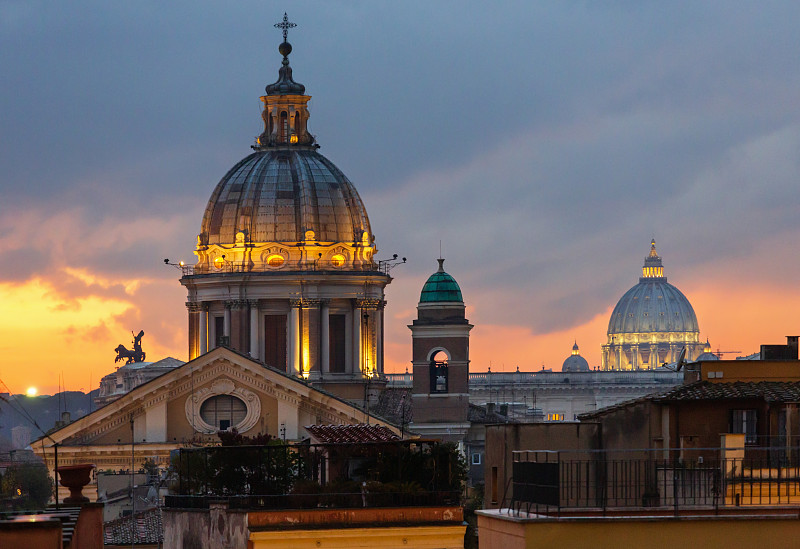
x=543 y=144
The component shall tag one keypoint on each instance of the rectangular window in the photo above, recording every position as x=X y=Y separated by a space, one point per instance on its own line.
x=745 y=422
x=275 y=341
x=476 y=458
x=219 y=331
x=336 y=340
x=555 y=416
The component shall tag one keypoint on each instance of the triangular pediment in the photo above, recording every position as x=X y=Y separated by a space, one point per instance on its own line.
x=167 y=408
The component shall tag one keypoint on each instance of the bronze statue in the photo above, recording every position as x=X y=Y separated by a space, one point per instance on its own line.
x=136 y=355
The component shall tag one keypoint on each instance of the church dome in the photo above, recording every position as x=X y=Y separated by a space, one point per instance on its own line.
x=440 y=287
x=285 y=206
x=575 y=362
x=653 y=305
x=651 y=323
x=278 y=195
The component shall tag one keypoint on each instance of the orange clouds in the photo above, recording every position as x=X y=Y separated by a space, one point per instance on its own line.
x=45 y=331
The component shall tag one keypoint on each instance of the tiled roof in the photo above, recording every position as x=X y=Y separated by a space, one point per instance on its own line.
x=479 y=414
x=332 y=434
x=149 y=529
x=394 y=404
x=769 y=391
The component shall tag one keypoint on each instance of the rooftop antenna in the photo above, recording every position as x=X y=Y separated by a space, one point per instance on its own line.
x=440 y=249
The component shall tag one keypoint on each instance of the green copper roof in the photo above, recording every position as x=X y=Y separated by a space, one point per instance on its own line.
x=440 y=287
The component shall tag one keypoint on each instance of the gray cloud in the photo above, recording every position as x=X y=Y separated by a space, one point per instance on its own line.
x=543 y=144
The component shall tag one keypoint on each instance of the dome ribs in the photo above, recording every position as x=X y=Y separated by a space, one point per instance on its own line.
x=278 y=195
x=310 y=216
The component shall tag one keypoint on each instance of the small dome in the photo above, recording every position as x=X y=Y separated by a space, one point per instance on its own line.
x=575 y=362
x=440 y=286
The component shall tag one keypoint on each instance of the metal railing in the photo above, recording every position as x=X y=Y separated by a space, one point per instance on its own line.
x=549 y=482
x=319 y=265
x=543 y=378
x=325 y=499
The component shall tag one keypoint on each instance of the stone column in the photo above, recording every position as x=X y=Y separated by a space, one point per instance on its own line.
x=324 y=336
x=294 y=337
x=356 y=366
x=379 y=338
x=226 y=325
x=369 y=308
x=203 y=329
x=254 y=339
x=194 y=328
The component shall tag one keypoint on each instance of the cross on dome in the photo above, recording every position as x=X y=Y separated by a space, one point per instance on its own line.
x=285 y=25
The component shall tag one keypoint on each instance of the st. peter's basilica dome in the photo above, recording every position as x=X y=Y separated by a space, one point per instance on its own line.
x=651 y=323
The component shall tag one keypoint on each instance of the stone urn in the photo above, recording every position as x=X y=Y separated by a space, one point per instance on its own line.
x=75 y=477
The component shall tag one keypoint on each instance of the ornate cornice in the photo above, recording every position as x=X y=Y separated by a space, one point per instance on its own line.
x=370 y=304
x=305 y=302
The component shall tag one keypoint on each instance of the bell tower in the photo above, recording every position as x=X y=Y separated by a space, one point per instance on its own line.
x=440 y=351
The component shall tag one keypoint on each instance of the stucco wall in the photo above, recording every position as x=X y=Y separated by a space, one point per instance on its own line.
x=215 y=528
x=598 y=533
x=502 y=440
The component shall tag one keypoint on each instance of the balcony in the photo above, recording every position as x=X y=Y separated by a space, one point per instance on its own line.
x=630 y=482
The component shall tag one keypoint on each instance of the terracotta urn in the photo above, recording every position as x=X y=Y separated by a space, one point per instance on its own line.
x=75 y=477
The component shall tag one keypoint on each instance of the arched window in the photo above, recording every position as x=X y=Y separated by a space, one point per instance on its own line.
x=439 y=373
x=284 y=131
x=223 y=411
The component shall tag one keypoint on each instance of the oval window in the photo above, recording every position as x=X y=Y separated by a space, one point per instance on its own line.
x=275 y=260
x=223 y=411
x=337 y=260
x=219 y=262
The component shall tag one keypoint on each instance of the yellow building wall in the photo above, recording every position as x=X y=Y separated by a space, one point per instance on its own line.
x=730 y=371
x=394 y=537
x=701 y=532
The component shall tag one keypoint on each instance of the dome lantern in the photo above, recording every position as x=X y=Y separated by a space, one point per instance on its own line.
x=652 y=269
x=285 y=113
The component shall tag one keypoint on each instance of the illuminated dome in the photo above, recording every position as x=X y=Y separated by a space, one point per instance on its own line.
x=575 y=362
x=278 y=195
x=651 y=322
x=286 y=270
x=707 y=354
x=440 y=287
x=285 y=206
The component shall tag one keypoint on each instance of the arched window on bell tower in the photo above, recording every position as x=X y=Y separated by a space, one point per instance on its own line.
x=439 y=372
